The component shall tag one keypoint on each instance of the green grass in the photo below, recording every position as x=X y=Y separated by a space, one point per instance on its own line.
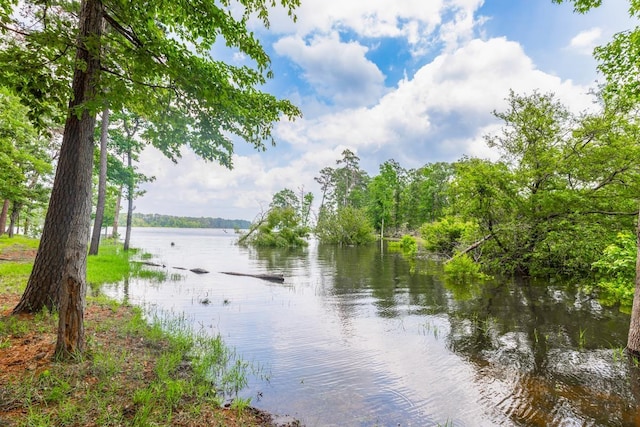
x=133 y=373
x=14 y=276
x=113 y=264
x=17 y=242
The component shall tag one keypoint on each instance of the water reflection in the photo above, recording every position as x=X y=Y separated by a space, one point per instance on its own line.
x=359 y=336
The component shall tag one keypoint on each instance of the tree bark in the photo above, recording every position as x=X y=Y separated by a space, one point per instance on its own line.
x=102 y=184
x=58 y=279
x=471 y=247
x=13 y=218
x=130 y=189
x=116 y=217
x=3 y=216
x=633 y=340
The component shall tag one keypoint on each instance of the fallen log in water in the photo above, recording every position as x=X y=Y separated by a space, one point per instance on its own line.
x=269 y=277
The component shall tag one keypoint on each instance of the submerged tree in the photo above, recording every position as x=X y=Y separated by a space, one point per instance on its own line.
x=285 y=224
x=563 y=187
x=154 y=61
x=347 y=226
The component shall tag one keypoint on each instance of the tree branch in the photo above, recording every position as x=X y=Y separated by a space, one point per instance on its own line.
x=14 y=30
x=127 y=34
x=153 y=86
x=470 y=248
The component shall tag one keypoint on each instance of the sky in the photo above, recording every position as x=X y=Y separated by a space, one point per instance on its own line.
x=411 y=80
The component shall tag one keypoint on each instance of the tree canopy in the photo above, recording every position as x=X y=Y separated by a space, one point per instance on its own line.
x=155 y=61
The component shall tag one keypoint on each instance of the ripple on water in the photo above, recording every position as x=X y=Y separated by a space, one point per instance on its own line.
x=575 y=388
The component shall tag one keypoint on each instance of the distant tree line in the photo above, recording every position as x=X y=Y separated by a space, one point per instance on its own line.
x=156 y=220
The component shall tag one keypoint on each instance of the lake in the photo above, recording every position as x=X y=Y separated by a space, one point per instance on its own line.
x=363 y=337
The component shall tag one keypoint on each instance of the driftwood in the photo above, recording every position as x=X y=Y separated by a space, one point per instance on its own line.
x=152 y=264
x=199 y=270
x=269 y=277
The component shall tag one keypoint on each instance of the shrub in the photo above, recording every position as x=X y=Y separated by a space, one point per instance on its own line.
x=462 y=267
x=446 y=235
x=347 y=226
x=617 y=269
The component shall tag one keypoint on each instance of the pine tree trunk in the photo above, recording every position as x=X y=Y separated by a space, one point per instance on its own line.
x=58 y=279
x=3 y=216
x=13 y=219
x=116 y=217
x=102 y=184
x=130 y=189
x=633 y=341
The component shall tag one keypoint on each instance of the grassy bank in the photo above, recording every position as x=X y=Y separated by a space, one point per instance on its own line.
x=134 y=373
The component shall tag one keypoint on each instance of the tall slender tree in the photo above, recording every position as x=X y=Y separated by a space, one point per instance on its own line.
x=154 y=61
x=102 y=184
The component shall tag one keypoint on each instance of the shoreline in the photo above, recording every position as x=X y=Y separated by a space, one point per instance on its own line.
x=133 y=372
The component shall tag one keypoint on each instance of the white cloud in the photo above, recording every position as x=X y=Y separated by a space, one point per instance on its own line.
x=585 y=41
x=457 y=91
x=339 y=71
x=411 y=20
x=437 y=112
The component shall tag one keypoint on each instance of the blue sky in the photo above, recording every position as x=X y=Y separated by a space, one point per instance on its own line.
x=410 y=80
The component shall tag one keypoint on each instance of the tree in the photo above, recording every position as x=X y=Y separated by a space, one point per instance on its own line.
x=326 y=184
x=284 y=224
x=155 y=62
x=23 y=160
x=564 y=187
x=349 y=182
x=619 y=62
x=385 y=191
x=344 y=198
x=102 y=184
x=346 y=226
x=485 y=193
x=425 y=195
x=127 y=146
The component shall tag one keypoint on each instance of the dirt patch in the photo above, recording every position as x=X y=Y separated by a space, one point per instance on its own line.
x=18 y=254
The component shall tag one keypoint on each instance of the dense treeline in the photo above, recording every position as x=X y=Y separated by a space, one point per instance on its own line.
x=156 y=220
x=561 y=200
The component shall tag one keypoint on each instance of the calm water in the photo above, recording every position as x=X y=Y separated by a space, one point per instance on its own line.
x=359 y=337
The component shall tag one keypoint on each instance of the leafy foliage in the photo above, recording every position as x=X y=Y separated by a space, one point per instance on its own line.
x=23 y=158
x=617 y=269
x=347 y=226
x=384 y=193
x=284 y=225
x=407 y=244
x=562 y=182
x=448 y=234
x=343 y=186
x=425 y=196
x=463 y=268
